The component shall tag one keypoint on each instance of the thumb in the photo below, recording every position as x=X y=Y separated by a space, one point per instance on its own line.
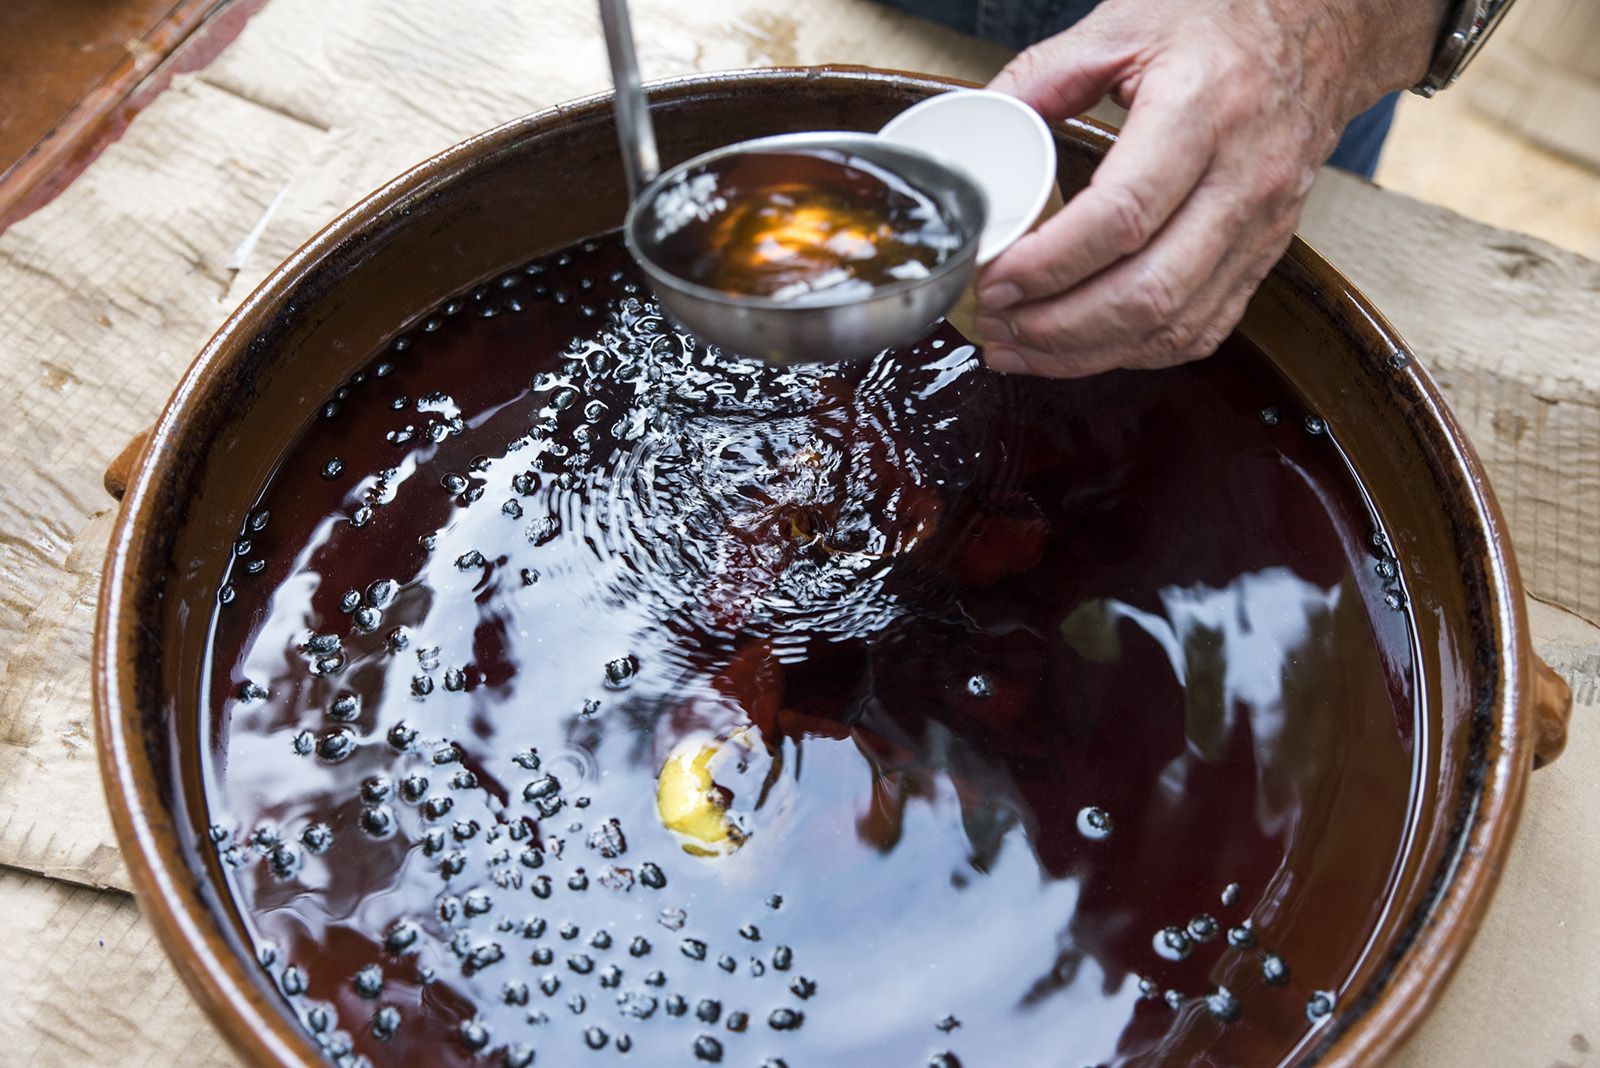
x=1063 y=75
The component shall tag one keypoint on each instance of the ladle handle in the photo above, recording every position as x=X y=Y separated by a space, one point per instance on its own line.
x=634 y=130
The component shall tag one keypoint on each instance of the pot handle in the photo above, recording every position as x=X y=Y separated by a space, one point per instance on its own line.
x=120 y=471
x=1552 y=708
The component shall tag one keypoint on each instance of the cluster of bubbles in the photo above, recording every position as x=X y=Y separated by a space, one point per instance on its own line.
x=740 y=496
x=1177 y=943
x=1387 y=568
x=577 y=969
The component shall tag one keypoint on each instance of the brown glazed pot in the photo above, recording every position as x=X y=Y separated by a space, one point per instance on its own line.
x=553 y=178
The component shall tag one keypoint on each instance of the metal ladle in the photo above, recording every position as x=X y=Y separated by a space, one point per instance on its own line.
x=821 y=327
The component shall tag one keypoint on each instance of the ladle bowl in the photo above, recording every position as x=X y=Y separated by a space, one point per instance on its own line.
x=830 y=324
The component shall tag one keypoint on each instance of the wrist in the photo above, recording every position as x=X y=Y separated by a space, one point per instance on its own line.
x=1358 y=51
x=1396 y=42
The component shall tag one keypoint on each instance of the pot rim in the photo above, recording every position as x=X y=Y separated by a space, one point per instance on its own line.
x=249 y=1015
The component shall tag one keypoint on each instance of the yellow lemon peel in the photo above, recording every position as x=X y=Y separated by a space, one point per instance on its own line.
x=689 y=802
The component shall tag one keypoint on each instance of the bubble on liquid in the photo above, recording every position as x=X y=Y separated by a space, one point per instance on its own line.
x=1271 y=415
x=1230 y=895
x=402 y=936
x=1223 y=1006
x=368 y=982
x=332 y=468
x=1094 y=823
x=292 y=981
x=317 y=837
x=401 y=736
x=378 y=822
x=801 y=987
x=980 y=686
x=374 y=790
x=693 y=948
x=620 y=672
x=474 y=1034
x=1203 y=928
x=336 y=745
x=607 y=839
x=636 y=1005
x=1274 y=969
x=283 y=861
x=1242 y=936
x=944 y=1060
x=1319 y=1006
x=707 y=1048
x=543 y=787
x=385 y=1023
x=1173 y=943
x=948 y=1024
x=1315 y=425
x=785 y=1019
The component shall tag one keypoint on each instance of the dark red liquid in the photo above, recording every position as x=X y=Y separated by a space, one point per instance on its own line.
x=790 y=225
x=1032 y=671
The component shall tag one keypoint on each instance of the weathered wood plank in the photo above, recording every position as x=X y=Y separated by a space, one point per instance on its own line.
x=87 y=983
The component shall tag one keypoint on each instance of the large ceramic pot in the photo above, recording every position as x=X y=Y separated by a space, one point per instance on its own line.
x=553 y=178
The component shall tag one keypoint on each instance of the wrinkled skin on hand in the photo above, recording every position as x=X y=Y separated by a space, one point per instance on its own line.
x=1233 y=105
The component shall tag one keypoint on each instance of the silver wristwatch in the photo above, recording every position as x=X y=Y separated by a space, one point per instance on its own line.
x=1466 y=26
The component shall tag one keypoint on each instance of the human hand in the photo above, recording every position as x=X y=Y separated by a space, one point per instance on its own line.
x=1233 y=106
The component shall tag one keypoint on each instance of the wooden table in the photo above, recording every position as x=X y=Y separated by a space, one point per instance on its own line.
x=111 y=289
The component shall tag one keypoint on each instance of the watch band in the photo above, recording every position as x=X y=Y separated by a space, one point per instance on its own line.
x=1466 y=26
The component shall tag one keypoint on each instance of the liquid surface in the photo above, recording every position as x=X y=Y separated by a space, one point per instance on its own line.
x=793 y=225
x=1046 y=723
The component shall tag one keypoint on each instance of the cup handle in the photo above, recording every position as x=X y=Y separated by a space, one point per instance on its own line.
x=120 y=471
x=1552 y=709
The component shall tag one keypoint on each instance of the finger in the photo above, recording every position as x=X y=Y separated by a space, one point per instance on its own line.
x=1161 y=154
x=1138 y=295
x=1011 y=360
x=1195 y=333
x=1065 y=74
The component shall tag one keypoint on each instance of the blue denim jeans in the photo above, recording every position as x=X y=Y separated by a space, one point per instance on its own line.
x=1019 y=23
